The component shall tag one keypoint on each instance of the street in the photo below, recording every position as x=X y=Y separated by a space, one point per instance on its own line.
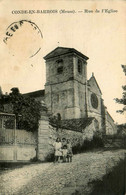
x=60 y=178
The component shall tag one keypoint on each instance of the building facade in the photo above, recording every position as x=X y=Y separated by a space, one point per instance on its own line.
x=70 y=93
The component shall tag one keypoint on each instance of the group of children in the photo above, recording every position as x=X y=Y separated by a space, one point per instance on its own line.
x=63 y=150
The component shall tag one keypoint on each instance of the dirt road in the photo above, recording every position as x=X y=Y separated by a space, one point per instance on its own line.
x=60 y=178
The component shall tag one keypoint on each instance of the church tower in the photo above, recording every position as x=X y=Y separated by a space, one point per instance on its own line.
x=66 y=83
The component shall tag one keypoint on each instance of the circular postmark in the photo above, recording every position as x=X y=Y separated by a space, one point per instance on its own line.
x=23 y=38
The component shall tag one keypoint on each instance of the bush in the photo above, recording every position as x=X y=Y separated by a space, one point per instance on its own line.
x=50 y=157
x=96 y=142
x=112 y=183
x=34 y=159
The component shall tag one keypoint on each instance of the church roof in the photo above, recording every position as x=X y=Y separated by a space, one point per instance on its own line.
x=110 y=116
x=94 y=79
x=76 y=124
x=35 y=93
x=63 y=50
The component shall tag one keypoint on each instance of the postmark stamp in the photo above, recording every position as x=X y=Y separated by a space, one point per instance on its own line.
x=23 y=38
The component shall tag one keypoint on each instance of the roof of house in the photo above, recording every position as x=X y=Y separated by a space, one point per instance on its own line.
x=35 y=93
x=63 y=50
x=76 y=124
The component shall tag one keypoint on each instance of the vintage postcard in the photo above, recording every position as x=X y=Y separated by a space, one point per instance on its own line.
x=62 y=97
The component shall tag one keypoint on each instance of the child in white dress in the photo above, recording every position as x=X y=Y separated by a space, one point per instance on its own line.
x=58 y=150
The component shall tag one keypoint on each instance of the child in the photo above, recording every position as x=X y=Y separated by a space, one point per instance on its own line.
x=64 y=152
x=58 y=151
x=64 y=141
x=69 y=151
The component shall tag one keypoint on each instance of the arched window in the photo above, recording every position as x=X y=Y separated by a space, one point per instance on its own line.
x=60 y=70
x=79 y=66
x=59 y=66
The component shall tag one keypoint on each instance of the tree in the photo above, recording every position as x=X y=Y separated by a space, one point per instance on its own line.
x=26 y=109
x=123 y=99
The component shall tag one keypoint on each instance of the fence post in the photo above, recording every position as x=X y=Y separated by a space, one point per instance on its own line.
x=15 y=147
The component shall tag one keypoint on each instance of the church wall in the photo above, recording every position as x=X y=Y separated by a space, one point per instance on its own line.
x=80 y=98
x=110 y=126
x=94 y=103
x=97 y=117
x=90 y=107
x=60 y=99
x=59 y=90
x=93 y=86
x=67 y=93
x=52 y=76
x=89 y=131
x=82 y=76
x=92 y=112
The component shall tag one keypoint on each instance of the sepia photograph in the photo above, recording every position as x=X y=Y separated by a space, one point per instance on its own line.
x=63 y=97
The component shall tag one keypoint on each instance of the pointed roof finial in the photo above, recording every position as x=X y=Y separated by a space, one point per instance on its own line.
x=92 y=74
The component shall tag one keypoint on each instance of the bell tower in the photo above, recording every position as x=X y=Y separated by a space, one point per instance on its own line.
x=66 y=78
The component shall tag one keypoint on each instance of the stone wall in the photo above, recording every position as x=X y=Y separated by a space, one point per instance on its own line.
x=47 y=135
x=89 y=131
x=74 y=136
x=43 y=138
x=114 y=142
x=110 y=125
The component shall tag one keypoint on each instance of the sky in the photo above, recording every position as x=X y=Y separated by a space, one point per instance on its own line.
x=99 y=35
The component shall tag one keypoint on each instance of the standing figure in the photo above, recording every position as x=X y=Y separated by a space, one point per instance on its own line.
x=64 y=142
x=64 y=150
x=58 y=150
x=69 y=151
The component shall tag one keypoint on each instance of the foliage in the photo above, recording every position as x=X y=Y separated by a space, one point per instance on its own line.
x=96 y=142
x=50 y=157
x=121 y=129
x=112 y=183
x=123 y=99
x=55 y=121
x=34 y=159
x=26 y=109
